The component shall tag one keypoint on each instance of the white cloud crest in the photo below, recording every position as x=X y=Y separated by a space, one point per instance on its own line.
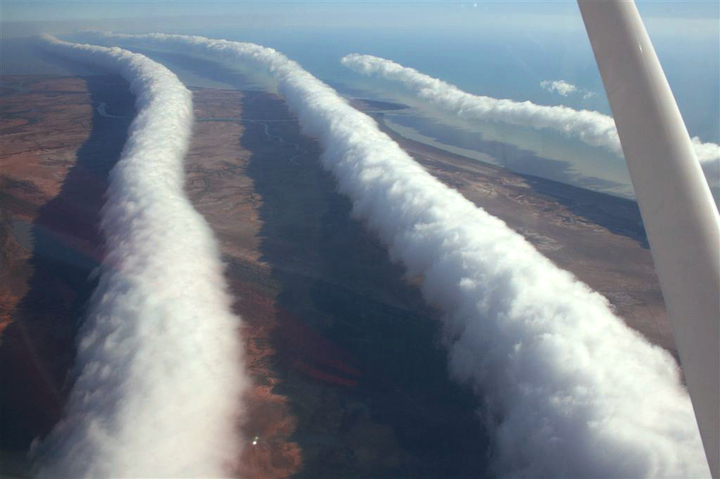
x=561 y=87
x=566 y=387
x=159 y=358
x=591 y=127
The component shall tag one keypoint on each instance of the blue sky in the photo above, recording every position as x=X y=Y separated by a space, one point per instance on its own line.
x=54 y=10
x=676 y=20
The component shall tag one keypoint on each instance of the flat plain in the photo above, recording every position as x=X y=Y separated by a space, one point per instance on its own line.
x=349 y=378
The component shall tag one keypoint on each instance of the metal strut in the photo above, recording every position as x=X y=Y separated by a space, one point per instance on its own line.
x=677 y=208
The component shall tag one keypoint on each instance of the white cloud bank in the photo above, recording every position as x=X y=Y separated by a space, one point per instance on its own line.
x=566 y=387
x=591 y=127
x=563 y=88
x=159 y=359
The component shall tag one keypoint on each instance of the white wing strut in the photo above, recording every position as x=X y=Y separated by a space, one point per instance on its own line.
x=677 y=208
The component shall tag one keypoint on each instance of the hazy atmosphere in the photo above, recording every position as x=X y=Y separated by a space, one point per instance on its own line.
x=336 y=239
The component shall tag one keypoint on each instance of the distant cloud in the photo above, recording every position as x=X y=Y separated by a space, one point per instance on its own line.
x=560 y=86
x=591 y=127
x=564 y=88
x=566 y=388
x=159 y=357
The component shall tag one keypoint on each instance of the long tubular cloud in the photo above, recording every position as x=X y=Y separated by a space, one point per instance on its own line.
x=591 y=127
x=159 y=358
x=566 y=387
